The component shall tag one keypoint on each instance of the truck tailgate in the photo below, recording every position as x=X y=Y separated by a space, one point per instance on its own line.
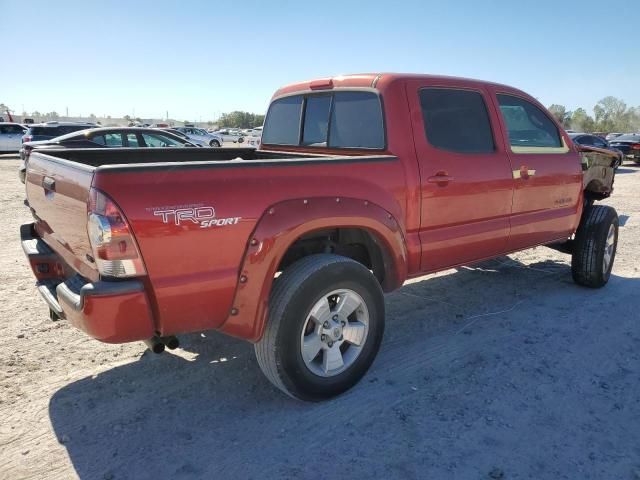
x=58 y=192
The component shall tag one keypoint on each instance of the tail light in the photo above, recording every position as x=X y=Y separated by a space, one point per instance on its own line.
x=26 y=138
x=635 y=146
x=114 y=248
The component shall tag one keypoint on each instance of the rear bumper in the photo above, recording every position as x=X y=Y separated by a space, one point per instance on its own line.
x=110 y=311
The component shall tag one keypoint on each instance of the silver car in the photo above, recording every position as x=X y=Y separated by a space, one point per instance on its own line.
x=11 y=137
x=230 y=135
x=199 y=134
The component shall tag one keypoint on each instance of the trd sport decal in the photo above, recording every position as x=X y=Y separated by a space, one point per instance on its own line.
x=196 y=214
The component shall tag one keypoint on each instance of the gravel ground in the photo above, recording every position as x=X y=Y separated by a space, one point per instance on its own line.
x=502 y=370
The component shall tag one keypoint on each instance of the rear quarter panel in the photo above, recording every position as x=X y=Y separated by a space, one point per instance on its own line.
x=193 y=272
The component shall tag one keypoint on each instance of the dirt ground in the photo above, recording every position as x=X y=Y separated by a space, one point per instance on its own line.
x=504 y=370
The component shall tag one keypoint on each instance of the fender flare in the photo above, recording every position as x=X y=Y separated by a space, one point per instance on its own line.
x=280 y=226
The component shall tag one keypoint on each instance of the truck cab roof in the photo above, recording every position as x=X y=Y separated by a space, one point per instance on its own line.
x=379 y=81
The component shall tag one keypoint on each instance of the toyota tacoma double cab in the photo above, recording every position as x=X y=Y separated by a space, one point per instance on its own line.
x=360 y=183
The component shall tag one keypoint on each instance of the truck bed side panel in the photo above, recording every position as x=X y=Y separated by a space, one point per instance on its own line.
x=194 y=269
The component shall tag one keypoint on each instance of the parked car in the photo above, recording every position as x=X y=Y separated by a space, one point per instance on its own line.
x=11 y=137
x=106 y=137
x=610 y=136
x=253 y=137
x=292 y=247
x=589 y=140
x=629 y=144
x=199 y=143
x=49 y=130
x=229 y=135
x=211 y=139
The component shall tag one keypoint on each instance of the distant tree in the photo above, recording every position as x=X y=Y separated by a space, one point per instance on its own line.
x=238 y=119
x=581 y=121
x=561 y=114
x=138 y=119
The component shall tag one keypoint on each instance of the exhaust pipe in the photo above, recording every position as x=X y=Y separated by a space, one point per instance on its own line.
x=154 y=344
x=171 y=342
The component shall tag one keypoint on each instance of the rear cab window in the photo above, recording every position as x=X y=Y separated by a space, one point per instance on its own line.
x=336 y=119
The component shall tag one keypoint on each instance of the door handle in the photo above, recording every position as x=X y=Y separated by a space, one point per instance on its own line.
x=523 y=172
x=441 y=178
x=49 y=184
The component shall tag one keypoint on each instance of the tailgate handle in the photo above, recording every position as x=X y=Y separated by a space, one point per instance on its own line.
x=49 y=183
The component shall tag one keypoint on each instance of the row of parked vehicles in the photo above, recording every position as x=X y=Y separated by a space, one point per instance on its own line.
x=14 y=136
x=24 y=138
x=624 y=145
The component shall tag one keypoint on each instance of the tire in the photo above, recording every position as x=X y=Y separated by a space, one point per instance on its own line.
x=241 y=139
x=214 y=143
x=310 y=282
x=595 y=246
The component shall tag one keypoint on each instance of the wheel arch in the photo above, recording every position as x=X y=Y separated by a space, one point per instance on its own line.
x=284 y=225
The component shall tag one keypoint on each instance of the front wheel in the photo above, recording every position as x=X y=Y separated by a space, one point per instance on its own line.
x=595 y=246
x=326 y=320
x=214 y=143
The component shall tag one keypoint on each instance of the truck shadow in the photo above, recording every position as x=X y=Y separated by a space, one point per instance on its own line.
x=209 y=412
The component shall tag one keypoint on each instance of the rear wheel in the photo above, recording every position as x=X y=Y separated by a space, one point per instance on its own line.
x=214 y=143
x=595 y=246
x=326 y=320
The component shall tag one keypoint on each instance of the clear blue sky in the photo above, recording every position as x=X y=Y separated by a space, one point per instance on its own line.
x=199 y=58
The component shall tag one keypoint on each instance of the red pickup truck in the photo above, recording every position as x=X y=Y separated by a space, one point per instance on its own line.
x=361 y=182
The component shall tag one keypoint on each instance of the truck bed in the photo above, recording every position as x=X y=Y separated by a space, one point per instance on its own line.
x=173 y=156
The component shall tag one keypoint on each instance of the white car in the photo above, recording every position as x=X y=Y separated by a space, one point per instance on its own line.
x=253 y=137
x=11 y=136
x=230 y=135
x=199 y=143
x=211 y=139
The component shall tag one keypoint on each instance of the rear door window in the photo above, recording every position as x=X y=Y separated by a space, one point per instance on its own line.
x=157 y=141
x=11 y=129
x=109 y=140
x=132 y=140
x=528 y=126
x=584 y=140
x=456 y=120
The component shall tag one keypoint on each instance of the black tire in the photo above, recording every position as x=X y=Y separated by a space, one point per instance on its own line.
x=588 y=266
x=214 y=143
x=294 y=294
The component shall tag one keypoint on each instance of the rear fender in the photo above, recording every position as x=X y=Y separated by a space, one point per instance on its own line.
x=281 y=226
